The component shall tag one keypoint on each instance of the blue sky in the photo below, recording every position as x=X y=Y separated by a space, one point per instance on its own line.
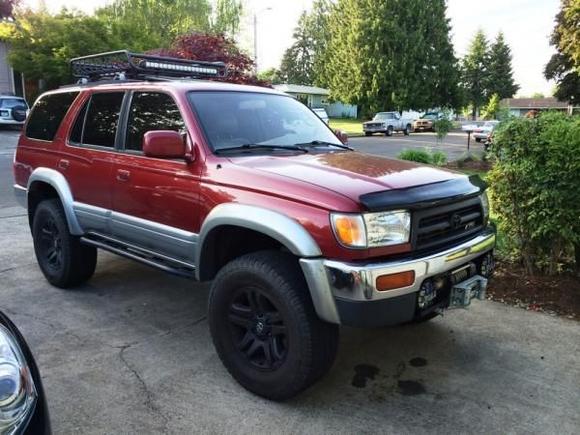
x=526 y=24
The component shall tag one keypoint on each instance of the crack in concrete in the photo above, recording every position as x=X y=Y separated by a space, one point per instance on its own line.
x=12 y=216
x=149 y=395
x=16 y=267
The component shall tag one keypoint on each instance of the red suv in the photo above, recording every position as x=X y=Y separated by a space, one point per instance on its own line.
x=246 y=187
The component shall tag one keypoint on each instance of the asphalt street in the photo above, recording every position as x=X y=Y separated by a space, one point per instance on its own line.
x=454 y=145
x=130 y=352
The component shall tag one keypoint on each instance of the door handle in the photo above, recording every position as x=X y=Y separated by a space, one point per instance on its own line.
x=63 y=164
x=123 y=175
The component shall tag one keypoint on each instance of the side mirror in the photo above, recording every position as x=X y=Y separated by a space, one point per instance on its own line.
x=164 y=144
x=342 y=136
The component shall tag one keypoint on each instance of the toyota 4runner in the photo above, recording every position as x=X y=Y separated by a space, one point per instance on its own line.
x=246 y=187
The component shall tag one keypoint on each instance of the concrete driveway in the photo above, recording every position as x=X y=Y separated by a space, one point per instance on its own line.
x=130 y=352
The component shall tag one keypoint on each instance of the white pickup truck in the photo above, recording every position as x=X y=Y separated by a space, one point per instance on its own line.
x=387 y=122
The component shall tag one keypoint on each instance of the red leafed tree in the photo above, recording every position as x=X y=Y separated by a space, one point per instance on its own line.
x=215 y=48
x=7 y=8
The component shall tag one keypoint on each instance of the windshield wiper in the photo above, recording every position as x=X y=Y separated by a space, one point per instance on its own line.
x=256 y=146
x=315 y=143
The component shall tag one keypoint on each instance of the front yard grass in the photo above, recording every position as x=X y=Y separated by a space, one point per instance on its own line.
x=352 y=127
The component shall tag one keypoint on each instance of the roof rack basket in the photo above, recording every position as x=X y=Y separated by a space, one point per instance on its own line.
x=122 y=64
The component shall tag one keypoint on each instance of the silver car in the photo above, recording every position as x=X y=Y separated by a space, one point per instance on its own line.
x=13 y=110
x=483 y=132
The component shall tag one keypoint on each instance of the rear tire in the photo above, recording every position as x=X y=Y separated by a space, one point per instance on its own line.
x=63 y=259
x=367 y=133
x=478 y=139
x=264 y=326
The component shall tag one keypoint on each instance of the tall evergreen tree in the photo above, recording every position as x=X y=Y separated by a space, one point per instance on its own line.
x=318 y=24
x=392 y=55
x=297 y=62
x=475 y=77
x=500 y=74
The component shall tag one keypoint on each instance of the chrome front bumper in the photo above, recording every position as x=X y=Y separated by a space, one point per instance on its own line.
x=330 y=280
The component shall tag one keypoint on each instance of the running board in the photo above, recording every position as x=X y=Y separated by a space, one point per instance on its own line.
x=149 y=258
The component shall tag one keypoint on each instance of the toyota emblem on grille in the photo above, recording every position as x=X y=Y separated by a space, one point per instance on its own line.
x=455 y=220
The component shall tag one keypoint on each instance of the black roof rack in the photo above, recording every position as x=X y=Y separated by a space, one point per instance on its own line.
x=122 y=64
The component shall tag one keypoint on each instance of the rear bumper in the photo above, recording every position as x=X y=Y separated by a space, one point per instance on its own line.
x=346 y=293
x=6 y=121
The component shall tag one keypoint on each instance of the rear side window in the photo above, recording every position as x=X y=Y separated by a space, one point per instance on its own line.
x=97 y=121
x=151 y=111
x=47 y=115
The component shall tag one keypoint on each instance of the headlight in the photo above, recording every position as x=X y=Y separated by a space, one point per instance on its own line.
x=371 y=230
x=17 y=392
x=485 y=207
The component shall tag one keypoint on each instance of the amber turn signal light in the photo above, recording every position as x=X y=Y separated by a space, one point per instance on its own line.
x=395 y=280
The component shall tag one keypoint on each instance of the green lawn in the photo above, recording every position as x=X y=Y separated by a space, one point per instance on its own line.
x=353 y=127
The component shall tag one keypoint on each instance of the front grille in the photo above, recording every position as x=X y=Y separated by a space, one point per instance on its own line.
x=375 y=125
x=442 y=226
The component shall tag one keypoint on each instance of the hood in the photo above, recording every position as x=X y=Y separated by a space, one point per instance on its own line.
x=350 y=174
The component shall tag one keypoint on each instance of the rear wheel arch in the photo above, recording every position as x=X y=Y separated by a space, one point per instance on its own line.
x=45 y=183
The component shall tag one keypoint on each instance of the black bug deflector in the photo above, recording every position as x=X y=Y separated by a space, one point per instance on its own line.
x=424 y=196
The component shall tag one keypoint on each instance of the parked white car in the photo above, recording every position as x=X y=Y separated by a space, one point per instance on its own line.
x=321 y=112
x=483 y=132
x=388 y=123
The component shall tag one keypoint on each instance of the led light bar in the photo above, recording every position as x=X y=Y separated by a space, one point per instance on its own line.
x=124 y=64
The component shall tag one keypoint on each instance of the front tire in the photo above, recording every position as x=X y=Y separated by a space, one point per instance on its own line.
x=389 y=131
x=407 y=130
x=264 y=326
x=63 y=259
x=368 y=133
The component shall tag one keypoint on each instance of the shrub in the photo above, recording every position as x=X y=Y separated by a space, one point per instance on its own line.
x=442 y=127
x=424 y=156
x=438 y=158
x=535 y=189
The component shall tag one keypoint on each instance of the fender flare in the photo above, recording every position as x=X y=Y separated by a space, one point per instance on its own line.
x=57 y=181
x=289 y=232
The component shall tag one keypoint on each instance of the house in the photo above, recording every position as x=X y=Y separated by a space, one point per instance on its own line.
x=11 y=82
x=315 y=97
x=521 y=106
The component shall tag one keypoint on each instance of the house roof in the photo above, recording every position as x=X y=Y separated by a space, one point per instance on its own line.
x=534 y=103
x=301 y=89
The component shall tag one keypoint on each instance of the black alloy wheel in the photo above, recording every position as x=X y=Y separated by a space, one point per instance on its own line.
x=50 y=244
x=258 y=329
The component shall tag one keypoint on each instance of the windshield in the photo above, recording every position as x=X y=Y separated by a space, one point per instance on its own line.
x=429 y=116
x=490 y=124
x=9 y=103
x=381 y=116
x=234 y=119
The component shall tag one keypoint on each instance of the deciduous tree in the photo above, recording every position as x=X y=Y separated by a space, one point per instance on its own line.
x=564 y=66
x=215 y=48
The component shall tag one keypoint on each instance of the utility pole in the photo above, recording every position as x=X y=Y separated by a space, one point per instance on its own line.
x=256 y=36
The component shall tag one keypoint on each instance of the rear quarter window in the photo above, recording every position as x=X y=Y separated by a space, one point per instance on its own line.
x=48 y=114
